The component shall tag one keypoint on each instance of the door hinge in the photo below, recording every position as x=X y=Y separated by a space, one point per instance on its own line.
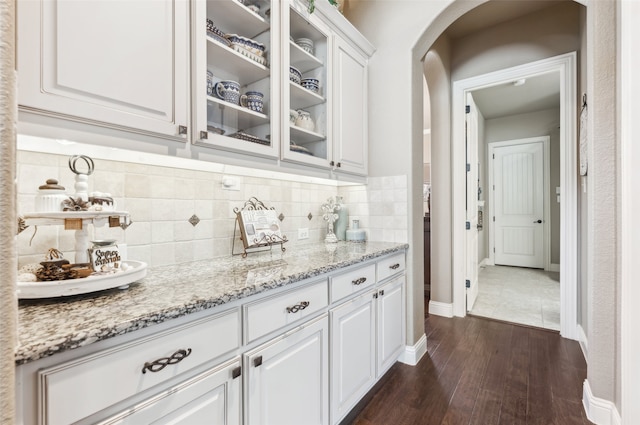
x=467 y=109
x=494 y=218
x=468 y=167
x=494 y=249
x=494 y=156
x=468 y=225
x=467 y=283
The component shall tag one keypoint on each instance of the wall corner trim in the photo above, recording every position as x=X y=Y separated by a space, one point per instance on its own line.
x=583 y=341
x=599 y=410
x=441 y=309
x=413 y=353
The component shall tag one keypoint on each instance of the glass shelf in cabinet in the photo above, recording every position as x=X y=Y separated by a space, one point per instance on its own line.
x=231 y=16
x=300 y=135
x=229 y=62
x=303 y=98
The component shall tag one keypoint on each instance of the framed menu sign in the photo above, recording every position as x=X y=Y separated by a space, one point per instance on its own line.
x=259 y=227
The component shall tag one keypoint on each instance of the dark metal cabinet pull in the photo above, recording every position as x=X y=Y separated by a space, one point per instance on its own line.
x=257 y=361
x=359 y=281
x=296 y=308
x=339 y=165
x=182 y=129
x=375 y=295
x=236 y=372
x=161 y=363
x=204 y=135
x=332 y=163
x=395 y=266
x=381 y=292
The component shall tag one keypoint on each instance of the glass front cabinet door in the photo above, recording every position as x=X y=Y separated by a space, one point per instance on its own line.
x=234 y=79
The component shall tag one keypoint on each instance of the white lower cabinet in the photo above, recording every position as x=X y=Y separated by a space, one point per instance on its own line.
x=304 y=356
x=353 y=353
x=213 y=397
x=367 y=336
x=390 y=323
x=287 y=379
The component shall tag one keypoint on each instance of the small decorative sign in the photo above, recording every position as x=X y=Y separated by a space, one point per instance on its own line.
x=73 y=224
x=104 y=256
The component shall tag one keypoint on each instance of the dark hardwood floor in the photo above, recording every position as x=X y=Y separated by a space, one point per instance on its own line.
x=480 y=371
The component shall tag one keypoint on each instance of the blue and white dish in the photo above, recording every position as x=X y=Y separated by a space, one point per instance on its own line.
x=252 y=46
x=227 y=90
x=252 y=100
x=312 y=84
x=295 y=75
x=305 y=44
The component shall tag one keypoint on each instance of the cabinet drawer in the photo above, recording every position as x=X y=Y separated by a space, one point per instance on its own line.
x=390 y=266
x=348 y=283
x=76 y=389
x=267 y=315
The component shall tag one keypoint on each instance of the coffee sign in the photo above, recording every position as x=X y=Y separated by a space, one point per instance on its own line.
x=105 y=258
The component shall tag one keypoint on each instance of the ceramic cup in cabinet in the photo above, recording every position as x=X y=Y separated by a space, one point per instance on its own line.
x=209 y=83
x=252 y=100
x=312 y=84
x=228 y=90
x=305 y=121
x=293 y=116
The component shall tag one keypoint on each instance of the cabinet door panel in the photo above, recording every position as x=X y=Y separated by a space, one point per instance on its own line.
x=352 y=354
x=111 y=62
x=350 y=103
x=288 y=378
x=391 y=327
x=212 y=397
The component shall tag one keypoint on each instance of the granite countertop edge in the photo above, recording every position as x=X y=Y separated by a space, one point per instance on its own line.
x=47 y=327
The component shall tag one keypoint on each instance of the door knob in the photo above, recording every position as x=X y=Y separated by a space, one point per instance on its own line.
x=538 y=221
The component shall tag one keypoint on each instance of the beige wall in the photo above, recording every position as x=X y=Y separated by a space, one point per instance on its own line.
x=410 y=29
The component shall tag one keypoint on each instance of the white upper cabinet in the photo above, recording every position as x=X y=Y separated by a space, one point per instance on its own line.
x=350 y=104
x=235 y=95
x=118 y=64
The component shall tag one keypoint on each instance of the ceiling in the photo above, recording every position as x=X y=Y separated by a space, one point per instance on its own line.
x=536 y=94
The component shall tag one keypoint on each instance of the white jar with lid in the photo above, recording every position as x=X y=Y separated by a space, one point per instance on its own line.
x=50 y=197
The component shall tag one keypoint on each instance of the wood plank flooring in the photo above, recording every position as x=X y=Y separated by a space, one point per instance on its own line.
x=480 y=371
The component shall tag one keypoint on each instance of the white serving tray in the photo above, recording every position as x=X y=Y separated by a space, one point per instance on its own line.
x=68 y=287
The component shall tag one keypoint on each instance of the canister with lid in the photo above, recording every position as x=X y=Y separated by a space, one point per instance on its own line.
x=50 y=197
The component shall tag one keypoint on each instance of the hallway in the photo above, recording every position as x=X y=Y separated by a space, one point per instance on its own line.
x=480 y=371
x=519 y=295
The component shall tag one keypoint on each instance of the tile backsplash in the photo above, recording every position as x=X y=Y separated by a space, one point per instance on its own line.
x=162 y=199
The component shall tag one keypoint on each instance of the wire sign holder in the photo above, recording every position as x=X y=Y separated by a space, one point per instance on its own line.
x=259 y=227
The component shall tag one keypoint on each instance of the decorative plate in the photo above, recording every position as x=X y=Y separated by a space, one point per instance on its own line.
x=93 y=283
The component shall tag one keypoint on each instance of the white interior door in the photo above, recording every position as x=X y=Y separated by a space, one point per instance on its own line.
x=471 y=264
x=518 y=175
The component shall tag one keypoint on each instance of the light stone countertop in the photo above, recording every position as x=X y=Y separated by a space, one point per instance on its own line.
x=50 y=326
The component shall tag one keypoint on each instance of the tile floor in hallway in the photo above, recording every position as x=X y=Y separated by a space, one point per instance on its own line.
x=519 y=295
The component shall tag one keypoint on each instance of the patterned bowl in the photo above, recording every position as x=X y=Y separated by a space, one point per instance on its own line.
x=295 y=75
x=249 y=44
x=312 y=84
x=306 y=44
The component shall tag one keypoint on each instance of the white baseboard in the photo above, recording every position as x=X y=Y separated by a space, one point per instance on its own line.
x=598 y=410
x=441 y=309
x=554 y=268
x=583 y=341
x=413 y=353
x=484 y=262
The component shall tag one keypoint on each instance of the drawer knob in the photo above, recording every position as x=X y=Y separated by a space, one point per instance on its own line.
x=359 y=281
x=296 y=308
x=161 y=363
x=395 y=266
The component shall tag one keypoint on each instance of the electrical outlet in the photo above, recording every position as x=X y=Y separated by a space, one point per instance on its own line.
x=303 y=233
x=230 y=183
